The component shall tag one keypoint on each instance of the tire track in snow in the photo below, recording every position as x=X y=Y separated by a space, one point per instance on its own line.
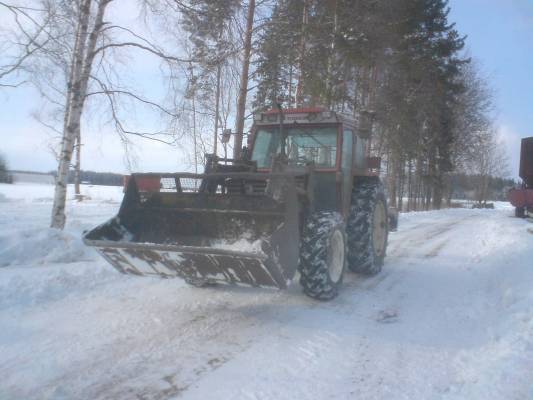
x=423 y=243
x=305 y=355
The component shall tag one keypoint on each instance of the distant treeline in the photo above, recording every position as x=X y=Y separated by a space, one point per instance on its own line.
x=468 y=187
x=96 y=178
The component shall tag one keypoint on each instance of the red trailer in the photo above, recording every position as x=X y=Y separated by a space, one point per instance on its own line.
x=522 y=198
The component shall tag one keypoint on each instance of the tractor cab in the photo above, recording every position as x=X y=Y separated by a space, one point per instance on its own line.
x=326 y=142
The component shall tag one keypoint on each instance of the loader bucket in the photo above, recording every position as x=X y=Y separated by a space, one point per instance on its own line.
x=247 y=236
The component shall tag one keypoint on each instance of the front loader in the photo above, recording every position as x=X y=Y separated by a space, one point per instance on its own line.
x=304 y=197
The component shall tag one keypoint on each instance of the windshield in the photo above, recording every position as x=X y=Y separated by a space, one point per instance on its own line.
x=305 y=145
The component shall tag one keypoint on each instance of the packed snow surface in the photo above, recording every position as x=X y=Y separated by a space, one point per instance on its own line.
x=450 y=317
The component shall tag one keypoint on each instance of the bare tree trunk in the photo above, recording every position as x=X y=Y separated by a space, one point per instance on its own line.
x=217 y=109
x=194 y=134
x=401 y=184
x=418 y=174
x=290 y=85
x=77 y=166
x=299 y=86
x=393 y=173
x=410 y=185
x=437 y=194
x=329 y=73
x=83 y=59
x=243 y=90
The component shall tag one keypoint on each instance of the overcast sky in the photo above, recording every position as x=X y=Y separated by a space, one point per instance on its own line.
x=500 y=38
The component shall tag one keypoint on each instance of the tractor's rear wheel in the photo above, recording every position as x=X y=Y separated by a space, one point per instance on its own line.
x=322 y=255
x=367 y=228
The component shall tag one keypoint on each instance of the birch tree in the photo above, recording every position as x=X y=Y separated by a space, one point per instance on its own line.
x=70 y=58
x=245 y=71
x=84 y=52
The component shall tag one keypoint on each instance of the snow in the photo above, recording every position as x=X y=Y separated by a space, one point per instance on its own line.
x=242 y=245
x=450 y=317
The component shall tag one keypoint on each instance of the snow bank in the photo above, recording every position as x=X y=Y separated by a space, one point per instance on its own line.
x=26 y=239
x=40 y=264
x=32 y=285
x=40 y=246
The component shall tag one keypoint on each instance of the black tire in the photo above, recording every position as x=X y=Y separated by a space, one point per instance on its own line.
x=520 y=212
x=363 y=254
x=321 y=271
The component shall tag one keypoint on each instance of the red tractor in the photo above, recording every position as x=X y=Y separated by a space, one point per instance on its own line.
x=522 y=198
x=305 y=196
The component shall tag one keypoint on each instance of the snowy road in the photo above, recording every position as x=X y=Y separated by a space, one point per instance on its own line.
x=450 y=317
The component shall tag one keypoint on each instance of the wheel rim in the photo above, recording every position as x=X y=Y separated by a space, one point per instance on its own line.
x=336 y=264
x=379 y=229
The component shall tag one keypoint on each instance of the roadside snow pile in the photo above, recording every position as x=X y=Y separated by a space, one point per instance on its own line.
x=39 y=264
x=30 y=286
x=40 y=246
x=26 y=239
x=502 y=366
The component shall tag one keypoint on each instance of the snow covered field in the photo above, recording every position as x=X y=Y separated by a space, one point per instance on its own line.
x=450 y=317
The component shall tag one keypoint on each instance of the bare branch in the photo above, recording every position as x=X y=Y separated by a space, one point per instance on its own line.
x=156 y=52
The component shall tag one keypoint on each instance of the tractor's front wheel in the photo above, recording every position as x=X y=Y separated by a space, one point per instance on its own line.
x=367 y=228
x=322 y=255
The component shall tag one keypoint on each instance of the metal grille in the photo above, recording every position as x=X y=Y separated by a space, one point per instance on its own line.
x=257 y=187
x=190 y=185
x=168 y=185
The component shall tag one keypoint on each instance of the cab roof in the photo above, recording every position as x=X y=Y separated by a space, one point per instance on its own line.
x=302 y=116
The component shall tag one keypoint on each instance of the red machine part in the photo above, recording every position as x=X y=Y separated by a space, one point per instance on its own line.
x=521 y=197
x=526 y=162
x=144 y=183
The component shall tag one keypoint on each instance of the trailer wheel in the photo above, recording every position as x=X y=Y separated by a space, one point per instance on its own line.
x=520 y=212
x=367 y=229
x=322 y=255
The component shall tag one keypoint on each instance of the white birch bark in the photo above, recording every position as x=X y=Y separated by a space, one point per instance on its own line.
x=243 y=90
x=83 y=59
x=77 y=166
